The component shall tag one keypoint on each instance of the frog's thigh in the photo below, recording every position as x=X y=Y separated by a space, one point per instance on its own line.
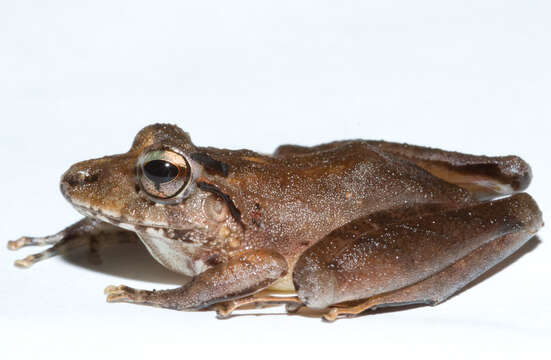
x=484 y=176
x=442 y=285
x=420 y=260
x=87 y=231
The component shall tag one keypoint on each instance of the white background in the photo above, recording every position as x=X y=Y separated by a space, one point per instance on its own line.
x=79 y=79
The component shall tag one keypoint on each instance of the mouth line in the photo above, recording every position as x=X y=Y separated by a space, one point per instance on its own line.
x=121 y=221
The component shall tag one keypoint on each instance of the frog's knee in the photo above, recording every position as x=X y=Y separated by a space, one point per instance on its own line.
x=525 y=209
x=315 y=283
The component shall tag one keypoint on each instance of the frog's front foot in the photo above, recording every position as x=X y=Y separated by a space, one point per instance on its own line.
x=127 y=294
x=31 y=241
x=28 y=261
x=84 y=232
x=18 y=244
x=59 y=241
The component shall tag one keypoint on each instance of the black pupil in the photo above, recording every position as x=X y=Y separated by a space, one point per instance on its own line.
x=160 y=171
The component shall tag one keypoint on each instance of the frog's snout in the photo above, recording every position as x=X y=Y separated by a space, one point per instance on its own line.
x=78 y=177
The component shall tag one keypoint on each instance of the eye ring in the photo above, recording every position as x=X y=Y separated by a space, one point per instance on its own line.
x=163 y=174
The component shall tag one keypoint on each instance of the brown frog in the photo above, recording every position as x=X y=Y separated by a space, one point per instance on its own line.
x=345 y=226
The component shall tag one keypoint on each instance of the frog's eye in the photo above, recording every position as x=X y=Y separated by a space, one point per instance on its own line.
x=163 y=174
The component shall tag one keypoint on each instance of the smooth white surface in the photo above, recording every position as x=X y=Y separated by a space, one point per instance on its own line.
x=79 y=79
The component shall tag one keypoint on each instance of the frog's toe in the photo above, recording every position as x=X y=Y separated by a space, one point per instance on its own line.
x=335 y=312
x=118 y=293
x=34 y=258
x=331 y=315
x=23 y=241
x=30 y=260
x=19 y=243
x=223 y=311
x=32 y=241
x=26 y=262
x=124 y=293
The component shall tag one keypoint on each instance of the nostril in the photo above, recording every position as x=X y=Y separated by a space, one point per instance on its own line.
x=80 y=177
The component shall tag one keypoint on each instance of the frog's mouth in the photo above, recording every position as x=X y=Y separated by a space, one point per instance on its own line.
x=158 y=230
x=183 y=256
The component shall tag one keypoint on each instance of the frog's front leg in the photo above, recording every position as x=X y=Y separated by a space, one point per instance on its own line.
x=87 y=231
x=423 y=259
x=239 y=277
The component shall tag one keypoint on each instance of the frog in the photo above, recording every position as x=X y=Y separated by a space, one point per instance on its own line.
x=341 y=228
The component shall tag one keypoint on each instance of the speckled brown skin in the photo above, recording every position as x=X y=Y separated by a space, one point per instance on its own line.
x=381 y=253
x=219 y=283
x=337 y=222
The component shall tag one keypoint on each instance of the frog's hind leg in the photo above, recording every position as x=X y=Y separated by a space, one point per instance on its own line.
x=486 y=177
x=424 y=259
x=225 y=309
x=85 y=232
x=442 y=285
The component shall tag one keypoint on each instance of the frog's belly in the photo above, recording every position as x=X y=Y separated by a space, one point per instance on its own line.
x=286 y=282
x=183 y=258
x=175 y=255
x=283 y=284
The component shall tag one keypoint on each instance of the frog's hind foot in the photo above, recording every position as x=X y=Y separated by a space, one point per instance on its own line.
x=225 y=309
x=483 y=176
x=335 y=312
x=494 y=229
x=293 y=307
x=340 y=311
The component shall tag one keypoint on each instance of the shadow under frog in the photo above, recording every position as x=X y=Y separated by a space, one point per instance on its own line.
x=129 y=260
x=132 y=261
x=344 y=227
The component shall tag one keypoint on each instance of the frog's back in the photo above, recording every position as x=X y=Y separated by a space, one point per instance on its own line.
x=296 y=196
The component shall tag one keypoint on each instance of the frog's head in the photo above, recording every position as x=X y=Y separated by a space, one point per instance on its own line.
x=164 y=190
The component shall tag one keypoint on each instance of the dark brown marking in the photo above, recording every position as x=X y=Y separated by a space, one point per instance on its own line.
x=211 y=165
x=81 y=179
x=182 y=235
x=213 y=189
x=213 y=260
x=256 y=215
x=492 y=170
